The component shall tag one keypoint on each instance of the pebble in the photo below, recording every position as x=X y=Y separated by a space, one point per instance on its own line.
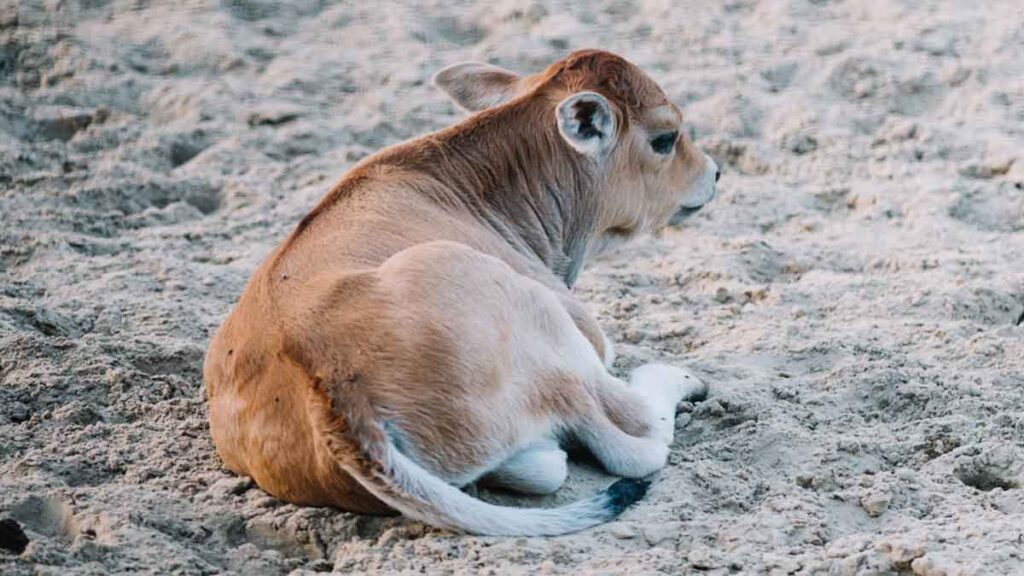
x=622 y=531
x=925 y=566
x=985 y=169
x=62 y=122
x=272 y=115
x=701 y=558
x=876 y=503
x=683 y=419
x=722 y=295
x=655 y=534
x=711 y=407
x=18 y=412
x=231 y=486
x=902 y=554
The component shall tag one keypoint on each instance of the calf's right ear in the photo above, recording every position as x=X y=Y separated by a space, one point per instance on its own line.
x=475 y=86
x=587 y=122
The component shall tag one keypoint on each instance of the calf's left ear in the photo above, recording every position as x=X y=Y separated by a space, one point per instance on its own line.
x=476 y=86
x=587 y=123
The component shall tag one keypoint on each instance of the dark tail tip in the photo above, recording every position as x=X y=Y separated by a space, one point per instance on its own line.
x=12 y=537
x=624 y=493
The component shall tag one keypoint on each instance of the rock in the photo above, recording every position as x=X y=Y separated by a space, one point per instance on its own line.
x=655 y=534
x=622 y=530
x=781 y=564
x=925 y=566
x=263 y=501
x=903 y=554
x=18 y=412
x=710 y=408
x=846 y=565
x=272 y=115
x=78 y=413
x=63 y=122
x=722 y=295
x=876 y=503
x=800 y=144
x=906 y=474
x=702 y=558
x=231 y=486
x=321 y=565
x=683 y=419
x=986 y=168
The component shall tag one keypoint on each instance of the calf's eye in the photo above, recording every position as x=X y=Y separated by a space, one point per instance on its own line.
x=664 y=143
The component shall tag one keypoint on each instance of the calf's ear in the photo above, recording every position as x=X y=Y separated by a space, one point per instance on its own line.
x=587 y=123
x=475 y=86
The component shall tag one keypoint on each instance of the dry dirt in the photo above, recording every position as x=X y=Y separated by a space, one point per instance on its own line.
x=855 y=295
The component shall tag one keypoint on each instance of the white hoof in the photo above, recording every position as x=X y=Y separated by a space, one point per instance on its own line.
x=663 y=388
x=678 y=384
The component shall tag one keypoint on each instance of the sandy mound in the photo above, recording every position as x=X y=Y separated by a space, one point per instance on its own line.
x=855 y=296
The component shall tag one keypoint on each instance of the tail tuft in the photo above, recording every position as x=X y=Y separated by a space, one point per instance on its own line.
x=623 y=493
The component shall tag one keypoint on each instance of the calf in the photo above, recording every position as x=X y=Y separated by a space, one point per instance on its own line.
x=416 y=331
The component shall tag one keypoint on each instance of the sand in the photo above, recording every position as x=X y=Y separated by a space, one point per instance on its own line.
x=854 y=296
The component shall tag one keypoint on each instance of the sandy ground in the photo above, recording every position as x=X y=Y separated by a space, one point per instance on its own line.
x=855 y=296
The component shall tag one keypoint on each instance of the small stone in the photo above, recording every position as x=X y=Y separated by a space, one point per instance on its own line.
x=902 y=554
x=710 y=407
x=657 y=533
x=781 y=564
x=988 y=168
x=265 y=501
x=701 y=558
x=18 y=412
x=272 y=555
x=231 y=486
x=847 y=565
x=77 y=413
x=114 y=376
x=62 y=122
x=848 y=446
x=622 y=530
x=272 y=115
x=633 y=336
x=801 y=144
x=837 y=550
x=390 y=537
x=925 y=566
x=321 y=565
x=683 y=419
x=722 y=295
x=876 y=503
x=906 y=474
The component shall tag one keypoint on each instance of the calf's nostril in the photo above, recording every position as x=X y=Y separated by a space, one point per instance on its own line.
x=718 y=174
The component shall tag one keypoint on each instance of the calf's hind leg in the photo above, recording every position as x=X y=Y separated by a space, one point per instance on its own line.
x=539 y=468
x=631 y=428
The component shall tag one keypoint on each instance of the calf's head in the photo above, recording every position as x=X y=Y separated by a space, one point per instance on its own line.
x=617 y=122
